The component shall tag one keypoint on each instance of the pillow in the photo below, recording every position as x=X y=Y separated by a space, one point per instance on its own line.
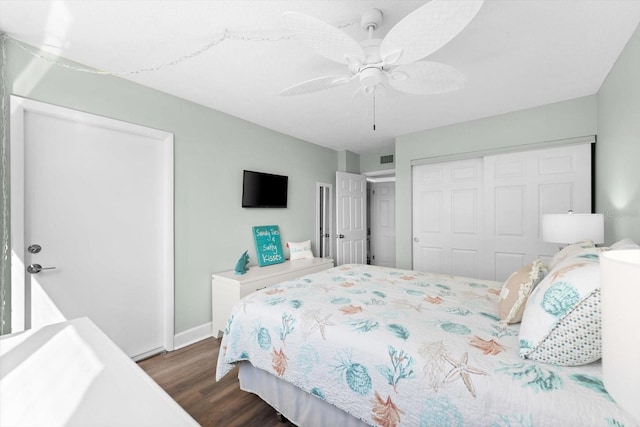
x=561 y=324
x=569 y=251
x=624 y=244
x=300 y=250
x=516 y=290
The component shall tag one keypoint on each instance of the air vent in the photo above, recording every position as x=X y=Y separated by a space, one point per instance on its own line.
x=386 y=159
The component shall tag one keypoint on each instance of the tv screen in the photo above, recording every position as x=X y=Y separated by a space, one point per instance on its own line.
x=264 y=190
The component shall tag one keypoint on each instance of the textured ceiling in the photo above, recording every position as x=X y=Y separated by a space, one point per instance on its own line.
x=515 y=54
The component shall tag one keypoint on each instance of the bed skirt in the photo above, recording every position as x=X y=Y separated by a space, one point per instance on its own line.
x=302 y=409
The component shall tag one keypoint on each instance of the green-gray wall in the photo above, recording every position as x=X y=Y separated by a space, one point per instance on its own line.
x=618 y=148
x=348 y=162
x=370 y=162
x=211 y=150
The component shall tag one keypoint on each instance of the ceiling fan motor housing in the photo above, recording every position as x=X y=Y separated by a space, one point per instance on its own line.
x=370 y=76
x=370 y=71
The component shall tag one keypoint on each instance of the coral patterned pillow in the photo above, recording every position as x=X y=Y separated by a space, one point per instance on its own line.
x=569 y=251
x=561 y=322
x=516 y=290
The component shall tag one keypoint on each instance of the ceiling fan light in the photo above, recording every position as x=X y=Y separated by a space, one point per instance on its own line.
x=370 y=77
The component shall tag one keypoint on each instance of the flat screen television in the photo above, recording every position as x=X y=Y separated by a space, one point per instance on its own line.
x=264 y=190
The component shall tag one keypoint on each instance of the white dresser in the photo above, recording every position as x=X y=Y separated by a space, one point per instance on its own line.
x=227 y=288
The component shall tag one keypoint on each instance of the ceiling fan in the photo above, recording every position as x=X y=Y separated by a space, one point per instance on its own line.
x=394 y=59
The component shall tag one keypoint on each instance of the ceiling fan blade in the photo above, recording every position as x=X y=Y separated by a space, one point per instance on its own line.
x=324 y=38
x=315 y=85
x=425 y=78
x=427 y=29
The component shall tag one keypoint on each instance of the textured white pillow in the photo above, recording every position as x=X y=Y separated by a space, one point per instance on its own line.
x=561 y=324
x=300 y=250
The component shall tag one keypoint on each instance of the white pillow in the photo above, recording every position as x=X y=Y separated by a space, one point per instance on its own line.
x=300 y=250
x=561 y=319
x=625 y=243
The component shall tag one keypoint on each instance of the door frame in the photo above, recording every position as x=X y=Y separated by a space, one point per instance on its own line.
x=20 y=292
x=324 y=219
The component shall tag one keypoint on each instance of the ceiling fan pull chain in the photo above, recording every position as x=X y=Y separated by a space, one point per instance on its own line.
x=374 y=109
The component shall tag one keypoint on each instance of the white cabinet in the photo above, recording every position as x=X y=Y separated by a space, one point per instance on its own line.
x=227 y=288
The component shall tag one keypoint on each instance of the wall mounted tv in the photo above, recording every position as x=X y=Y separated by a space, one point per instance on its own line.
x=264 y=190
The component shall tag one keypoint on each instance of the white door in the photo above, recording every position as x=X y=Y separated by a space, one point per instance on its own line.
x=96 y=196
x=383 y=224
x=447 y=218
x=351 y=211
x=523 y=186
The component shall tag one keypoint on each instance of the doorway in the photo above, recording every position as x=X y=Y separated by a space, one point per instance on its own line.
x=324 y=213
x=382 y=222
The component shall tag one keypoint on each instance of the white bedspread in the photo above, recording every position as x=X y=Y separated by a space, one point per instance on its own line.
x=395 y=347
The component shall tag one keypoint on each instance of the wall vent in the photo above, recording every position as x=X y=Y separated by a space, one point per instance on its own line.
x=386 y=159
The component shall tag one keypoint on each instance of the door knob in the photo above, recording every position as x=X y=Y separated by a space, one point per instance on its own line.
x=415 y=239
x=340 y=236
x=37 y=268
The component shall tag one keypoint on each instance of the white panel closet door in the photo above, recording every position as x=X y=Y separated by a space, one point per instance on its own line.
x=481 y=217
x=520 y=188
x=447 y=218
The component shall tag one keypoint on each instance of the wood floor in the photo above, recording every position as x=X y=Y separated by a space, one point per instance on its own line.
x=188 y=375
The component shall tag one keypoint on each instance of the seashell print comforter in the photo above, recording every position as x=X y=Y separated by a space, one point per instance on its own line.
x=403 y=348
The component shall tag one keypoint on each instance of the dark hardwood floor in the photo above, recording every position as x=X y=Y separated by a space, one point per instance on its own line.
x=188 y=375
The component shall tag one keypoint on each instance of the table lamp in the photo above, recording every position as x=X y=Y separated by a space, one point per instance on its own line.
x=572 y=227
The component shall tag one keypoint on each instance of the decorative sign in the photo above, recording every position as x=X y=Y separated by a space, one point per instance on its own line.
x=268 y=245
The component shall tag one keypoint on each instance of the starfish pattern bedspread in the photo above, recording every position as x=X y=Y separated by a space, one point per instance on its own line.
x=403 y=348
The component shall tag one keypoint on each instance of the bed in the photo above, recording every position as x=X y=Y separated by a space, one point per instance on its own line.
x=365 y=345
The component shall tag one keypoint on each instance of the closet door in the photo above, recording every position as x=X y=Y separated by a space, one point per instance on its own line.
x=519 y=188
x=447 y=218
x=481 y=217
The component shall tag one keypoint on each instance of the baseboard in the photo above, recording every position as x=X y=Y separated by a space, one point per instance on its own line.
x=192 y=336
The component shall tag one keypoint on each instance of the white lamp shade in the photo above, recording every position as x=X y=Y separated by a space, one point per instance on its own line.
x=620 y=293
x=572 y=227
